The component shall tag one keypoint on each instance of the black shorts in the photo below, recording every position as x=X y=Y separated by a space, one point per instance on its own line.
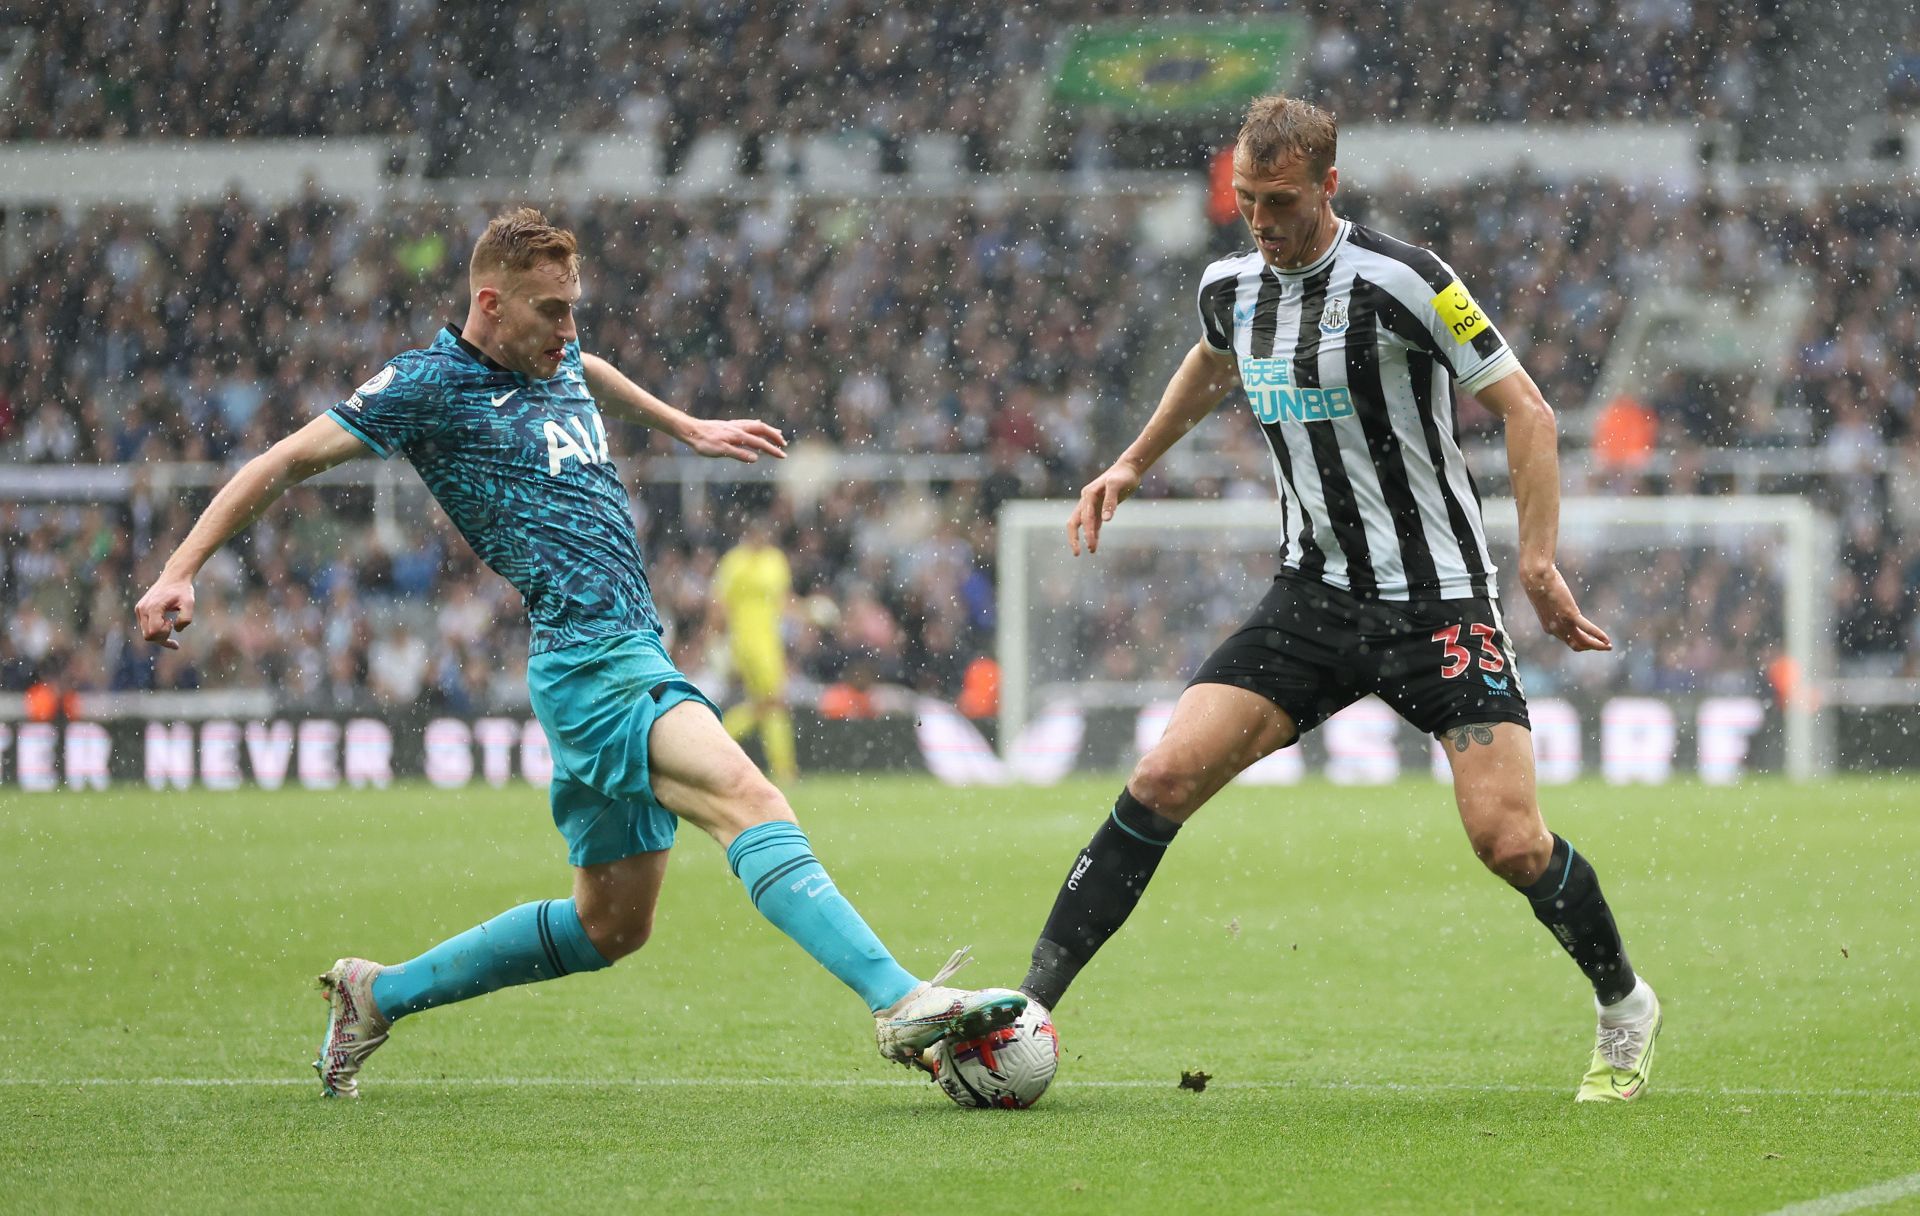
x=1313 y=650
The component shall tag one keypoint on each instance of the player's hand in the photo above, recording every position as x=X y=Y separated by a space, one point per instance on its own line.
x=1097 y=503
x=745 y=441
x=1559 y=615
x=166 y=608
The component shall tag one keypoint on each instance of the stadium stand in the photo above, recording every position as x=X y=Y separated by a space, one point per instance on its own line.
x=126 y=71
x=1013 y=336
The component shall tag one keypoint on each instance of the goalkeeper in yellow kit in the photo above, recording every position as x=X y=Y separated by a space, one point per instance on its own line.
x=752 y=587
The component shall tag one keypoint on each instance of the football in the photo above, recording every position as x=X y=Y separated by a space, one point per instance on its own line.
x=1007 y=1068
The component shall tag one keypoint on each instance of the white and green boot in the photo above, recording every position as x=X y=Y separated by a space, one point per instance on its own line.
x=1623 y=1048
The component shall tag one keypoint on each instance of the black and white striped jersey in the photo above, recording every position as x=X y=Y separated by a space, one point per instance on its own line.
x=1349 y=365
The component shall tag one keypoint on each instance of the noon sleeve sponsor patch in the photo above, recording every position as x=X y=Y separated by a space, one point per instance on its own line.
x=1459 y=312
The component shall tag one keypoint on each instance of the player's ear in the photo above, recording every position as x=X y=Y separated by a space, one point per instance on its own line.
x=1331 y=183
x=488 y=298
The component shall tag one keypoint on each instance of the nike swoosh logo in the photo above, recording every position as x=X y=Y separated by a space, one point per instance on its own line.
x=1639 y=1075
x=502 y=398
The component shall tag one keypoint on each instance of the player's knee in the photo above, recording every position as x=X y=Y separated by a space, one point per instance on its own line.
x=623 y=940
x=1165 y=786
x=765 y=801
x=616 y=934
x=1516 y=853
x=751 y=799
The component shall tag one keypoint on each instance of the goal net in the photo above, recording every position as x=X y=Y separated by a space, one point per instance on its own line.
x=1717 y=608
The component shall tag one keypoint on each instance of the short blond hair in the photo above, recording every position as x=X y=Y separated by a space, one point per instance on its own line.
x=1279 y=127
x=521 y=239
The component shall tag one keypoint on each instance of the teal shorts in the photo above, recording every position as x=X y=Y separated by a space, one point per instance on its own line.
x=598 y=702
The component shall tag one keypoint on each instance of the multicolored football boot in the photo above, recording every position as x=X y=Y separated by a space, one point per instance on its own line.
x=355 y=1029
x=932 y=1012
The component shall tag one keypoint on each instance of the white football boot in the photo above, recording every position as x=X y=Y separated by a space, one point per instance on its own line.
x=355 y=1029
x=928 y=1061
x=1623 y=1049
x=932 y=1012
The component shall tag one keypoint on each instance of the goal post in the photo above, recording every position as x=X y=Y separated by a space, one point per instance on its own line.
x=1707 y=599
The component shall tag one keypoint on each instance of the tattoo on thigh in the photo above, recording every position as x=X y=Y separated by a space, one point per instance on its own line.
x=1463 y=737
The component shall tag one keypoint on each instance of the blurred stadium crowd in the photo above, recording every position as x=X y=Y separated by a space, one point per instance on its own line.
x=995 y=332
x=173 y=68
x=1029 y=336
x=1025 y=335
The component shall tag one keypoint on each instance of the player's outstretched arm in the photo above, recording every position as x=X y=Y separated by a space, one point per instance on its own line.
x=1204 y=379
x=1533 y=463
x=168 y=604
x=744 y=440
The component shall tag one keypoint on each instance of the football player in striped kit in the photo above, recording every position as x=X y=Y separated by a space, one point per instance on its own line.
x=1348 y=345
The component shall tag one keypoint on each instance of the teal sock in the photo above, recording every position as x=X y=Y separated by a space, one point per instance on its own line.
x=530 y=943
x=791 y=889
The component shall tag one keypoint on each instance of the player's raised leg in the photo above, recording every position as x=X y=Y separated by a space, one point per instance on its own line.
x=596 y=702
x=1216 y=731
x=701 y=774
x=1493 y=783
x=609 y=917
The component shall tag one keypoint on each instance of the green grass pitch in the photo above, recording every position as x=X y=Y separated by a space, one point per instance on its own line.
x=1387 y=1028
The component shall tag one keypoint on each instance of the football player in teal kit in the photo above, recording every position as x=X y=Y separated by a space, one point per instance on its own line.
x=501 y=417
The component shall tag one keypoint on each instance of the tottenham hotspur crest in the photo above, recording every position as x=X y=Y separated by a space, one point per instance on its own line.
x=1334 y=319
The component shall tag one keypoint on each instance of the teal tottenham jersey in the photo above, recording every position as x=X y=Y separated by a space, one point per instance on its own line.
x=521 y=467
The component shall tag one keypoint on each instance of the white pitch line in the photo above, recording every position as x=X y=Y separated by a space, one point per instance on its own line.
x=1853 y=1201
x=906 y=1082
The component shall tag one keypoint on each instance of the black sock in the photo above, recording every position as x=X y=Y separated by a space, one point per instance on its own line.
x=1105 y=883
x=1568 y=902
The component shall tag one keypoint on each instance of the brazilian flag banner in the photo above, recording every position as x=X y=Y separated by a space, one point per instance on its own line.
x=1178 y=68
